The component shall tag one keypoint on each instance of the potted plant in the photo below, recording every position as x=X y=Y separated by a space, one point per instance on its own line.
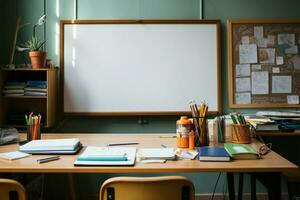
x=36 y=54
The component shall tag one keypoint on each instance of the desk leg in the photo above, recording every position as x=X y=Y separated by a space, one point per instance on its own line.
x=253 y=187
x=71 y=187
x=230 y=183
x=272 y=182
x=241 y=183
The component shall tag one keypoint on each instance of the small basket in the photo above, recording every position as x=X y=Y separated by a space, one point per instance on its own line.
x=240 y=134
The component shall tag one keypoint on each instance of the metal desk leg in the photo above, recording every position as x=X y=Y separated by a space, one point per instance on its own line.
x=241 y=183
x=71 y=187
x=272 y=182
x=253 y=187
x=230 y=183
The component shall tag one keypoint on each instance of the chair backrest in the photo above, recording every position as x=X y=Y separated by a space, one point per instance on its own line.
x=8 y=185
x=147 y=188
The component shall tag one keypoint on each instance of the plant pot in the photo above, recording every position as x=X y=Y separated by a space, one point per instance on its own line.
x=38 y=59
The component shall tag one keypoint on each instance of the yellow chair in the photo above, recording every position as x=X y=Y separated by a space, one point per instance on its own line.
x=148 y=188
x=8 y=185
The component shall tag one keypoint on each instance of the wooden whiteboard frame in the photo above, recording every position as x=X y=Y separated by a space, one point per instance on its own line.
x=218 y=55
x=231 y=68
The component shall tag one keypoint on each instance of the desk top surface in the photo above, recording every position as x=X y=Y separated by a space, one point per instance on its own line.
x=272 y=162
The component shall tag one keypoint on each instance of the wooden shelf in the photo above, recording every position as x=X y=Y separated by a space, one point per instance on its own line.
x=12 y=108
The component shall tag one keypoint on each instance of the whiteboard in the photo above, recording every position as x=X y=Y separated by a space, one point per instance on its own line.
x=139 y=67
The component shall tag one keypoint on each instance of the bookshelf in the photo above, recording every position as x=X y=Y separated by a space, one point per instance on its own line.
x=13 y=108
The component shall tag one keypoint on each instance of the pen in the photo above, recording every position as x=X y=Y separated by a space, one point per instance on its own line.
x=43 y=160
x=166 y=136
x=163 y=146
x=124 y=143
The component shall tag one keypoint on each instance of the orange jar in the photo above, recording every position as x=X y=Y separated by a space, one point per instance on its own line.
x=183 y=129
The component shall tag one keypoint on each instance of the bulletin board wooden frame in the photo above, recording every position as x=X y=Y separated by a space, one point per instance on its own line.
x=288 y=72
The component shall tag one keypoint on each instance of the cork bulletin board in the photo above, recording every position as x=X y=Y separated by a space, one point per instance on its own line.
x=263 y=63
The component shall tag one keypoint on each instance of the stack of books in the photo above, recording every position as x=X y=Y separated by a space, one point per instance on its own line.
x=53 y=146
x=36 y=88
x=14 y=88
x=262 y=123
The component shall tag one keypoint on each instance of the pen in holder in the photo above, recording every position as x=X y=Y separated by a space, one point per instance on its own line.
x=33 y=132
x=33 y=127
x=240 y=133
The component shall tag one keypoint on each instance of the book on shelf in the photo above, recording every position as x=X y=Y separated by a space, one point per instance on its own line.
x=241 y=151
x=10 y=87
x=15 y=91
x=35 y=89
x=13 y=94
x=36 y=83
x=213 y=154
x=262 y=123
x=31 y=93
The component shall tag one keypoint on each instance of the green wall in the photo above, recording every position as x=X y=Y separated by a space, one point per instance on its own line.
x=31 y=10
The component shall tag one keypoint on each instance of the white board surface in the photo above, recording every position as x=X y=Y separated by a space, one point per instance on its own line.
x=139 y=67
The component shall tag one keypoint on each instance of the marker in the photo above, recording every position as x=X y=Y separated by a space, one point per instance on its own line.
x=43 y=160
x=125 y=143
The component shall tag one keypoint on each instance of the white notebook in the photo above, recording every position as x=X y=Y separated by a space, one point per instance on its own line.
x=156 y=153
x=13 y=155
x=107 y=156
x=53 y=144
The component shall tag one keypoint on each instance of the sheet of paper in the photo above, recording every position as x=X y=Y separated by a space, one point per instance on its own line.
x=258 y=32
x=296 y=62
x=243 y=98
x=242 y=84
x=245 y=39
x=267 y=55
x=270 y=40
x=276 y=70
x=281 y=84
x=256 y=67
x=279 y=60
x=13 y=155
x=293 y=99
x=292 y=50
x=286 y=38
x=242 y=70
x=262 y=42
x=260 y=82
x=248 y=53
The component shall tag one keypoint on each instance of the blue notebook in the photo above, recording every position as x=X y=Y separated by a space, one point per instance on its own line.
x=213 y=154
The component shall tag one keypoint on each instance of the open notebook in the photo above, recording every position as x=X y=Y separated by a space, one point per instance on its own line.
x=106 y=156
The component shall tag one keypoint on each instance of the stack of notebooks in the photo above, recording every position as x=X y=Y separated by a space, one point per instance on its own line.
x=97 y=156
x=36 y=88
x=14 y=88
x=54 y=146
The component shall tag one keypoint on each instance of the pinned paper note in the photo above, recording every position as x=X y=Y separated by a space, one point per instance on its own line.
x=281 y=84
x=267 y=55
x=242 y=84
x=262 y=42
x=286 y=38
x=293 y=99
x=245 y=40
x=279 y=60
x=242 y=70
x=256 y=67
x=292 y=50
x=276 y=70
x=248 y=53
x=243 y=98
x=270 y=40
x=296 y=62
x=258 y=32
x=260 y=82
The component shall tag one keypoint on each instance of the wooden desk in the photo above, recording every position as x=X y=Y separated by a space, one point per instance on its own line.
x=272 y=164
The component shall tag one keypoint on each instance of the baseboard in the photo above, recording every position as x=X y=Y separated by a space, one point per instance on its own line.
x=246 y=196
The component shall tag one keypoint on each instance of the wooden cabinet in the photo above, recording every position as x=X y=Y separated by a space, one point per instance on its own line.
x=14 y=108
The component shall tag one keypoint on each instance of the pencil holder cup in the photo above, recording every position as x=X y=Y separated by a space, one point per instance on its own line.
x=33 y=132
x=203 y=133
x=240 y=134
